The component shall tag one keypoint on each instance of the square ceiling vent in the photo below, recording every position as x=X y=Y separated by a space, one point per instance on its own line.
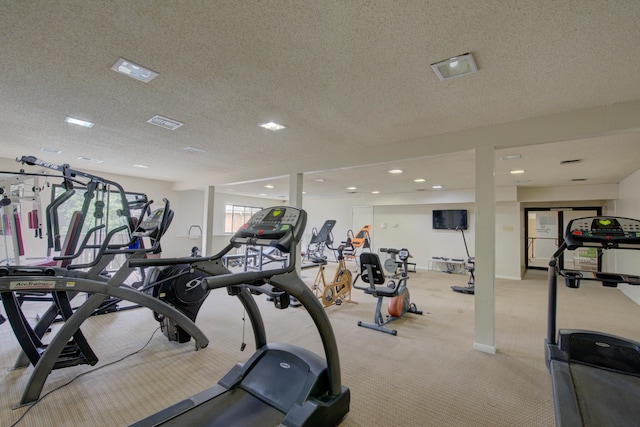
x=164 y=122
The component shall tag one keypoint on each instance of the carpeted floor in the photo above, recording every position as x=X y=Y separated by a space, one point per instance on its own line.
x=427 y=375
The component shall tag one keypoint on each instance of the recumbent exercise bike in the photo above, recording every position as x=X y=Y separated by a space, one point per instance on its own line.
x=371 y=272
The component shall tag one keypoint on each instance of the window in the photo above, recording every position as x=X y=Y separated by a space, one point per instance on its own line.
x=236 y=216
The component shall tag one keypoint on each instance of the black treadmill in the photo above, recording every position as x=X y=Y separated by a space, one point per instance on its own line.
x=281 y=384
x=595 y=376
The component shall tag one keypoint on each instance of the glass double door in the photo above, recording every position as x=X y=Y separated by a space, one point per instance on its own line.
x=544 y=232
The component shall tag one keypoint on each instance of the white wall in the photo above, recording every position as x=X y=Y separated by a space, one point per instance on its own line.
x=628 y=205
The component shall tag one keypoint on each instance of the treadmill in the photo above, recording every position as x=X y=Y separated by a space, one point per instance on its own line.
x=281 y=384
x=595 y=376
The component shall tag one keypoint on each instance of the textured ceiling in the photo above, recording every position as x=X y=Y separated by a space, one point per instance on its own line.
x=351 y=80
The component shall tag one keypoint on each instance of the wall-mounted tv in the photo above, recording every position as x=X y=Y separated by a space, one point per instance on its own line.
x=450 y=219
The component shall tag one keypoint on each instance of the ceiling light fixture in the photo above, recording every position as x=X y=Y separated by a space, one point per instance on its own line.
x=436 y=187
x=375 y=192
x=510 y=157
x=50 y=150
x=165 y=122
x=78 y=122
x=89 y=159
x=352 y=188
x=319 y=180
x=194 y=149
x=269 y=186
x=516 y=172
x=141 y=166
x=272 y=126
x=134 y=71
x=419 y=180
x=395 y=171
x=455 y=67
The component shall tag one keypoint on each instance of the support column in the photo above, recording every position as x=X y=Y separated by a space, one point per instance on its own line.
x=295 y=190
x=207 y=216
x=295 y=200
x=485 y=235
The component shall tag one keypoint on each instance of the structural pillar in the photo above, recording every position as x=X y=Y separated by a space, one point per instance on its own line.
x=207 y=215
x=295 y=200
x=485 y=247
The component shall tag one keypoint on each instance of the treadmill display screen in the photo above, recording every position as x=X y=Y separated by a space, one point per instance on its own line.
x=603 y=229
x=606 y=226
x=272 y=227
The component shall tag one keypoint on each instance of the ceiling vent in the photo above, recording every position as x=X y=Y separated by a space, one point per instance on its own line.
x=196 y=150
x=569 y=162
x=578 y=179
x=164 y=122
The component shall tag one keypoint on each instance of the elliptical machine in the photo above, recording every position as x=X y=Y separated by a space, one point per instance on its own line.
x=470 y=266
x=177 y=285
x=400 y=300
x=181 y=287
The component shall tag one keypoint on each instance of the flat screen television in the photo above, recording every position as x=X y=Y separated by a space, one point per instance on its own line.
x=450 y=219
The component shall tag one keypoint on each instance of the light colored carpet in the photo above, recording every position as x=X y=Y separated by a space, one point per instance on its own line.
x=427 y=375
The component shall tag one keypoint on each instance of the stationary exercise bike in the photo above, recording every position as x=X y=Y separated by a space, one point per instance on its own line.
x=339 y=290
x=400 y=301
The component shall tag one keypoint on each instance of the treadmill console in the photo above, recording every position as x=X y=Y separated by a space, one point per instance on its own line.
x=602 y=231
x=280 y=227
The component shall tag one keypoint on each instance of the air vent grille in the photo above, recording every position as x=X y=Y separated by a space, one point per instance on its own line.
x=569 y=162
x=164 y=122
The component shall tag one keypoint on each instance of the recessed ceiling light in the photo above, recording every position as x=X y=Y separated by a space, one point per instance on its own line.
x=436 y=187
x=375 y=192
x=89 y=159
x=419 y=180
x=262 y=194
x=272 y=126
x=50 y=150
x=395 y=171
x=455 y=67
x=510 y=157
x=78 y=122
x=194 y=149
x=319 y=180
x=165 y=122
x=352 y=188
x=141 y=166
x=269 y=186
x=516 y=172
x=134 y=71
x=304 y=192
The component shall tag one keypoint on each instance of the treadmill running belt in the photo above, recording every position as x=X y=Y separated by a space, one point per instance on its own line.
x=233 y=408
x=606 y=398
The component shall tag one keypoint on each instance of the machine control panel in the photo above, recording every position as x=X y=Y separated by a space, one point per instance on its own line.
x=604 y=230
x=277 y=226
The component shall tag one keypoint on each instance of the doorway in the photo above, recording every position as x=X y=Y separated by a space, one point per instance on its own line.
x=544 y=232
